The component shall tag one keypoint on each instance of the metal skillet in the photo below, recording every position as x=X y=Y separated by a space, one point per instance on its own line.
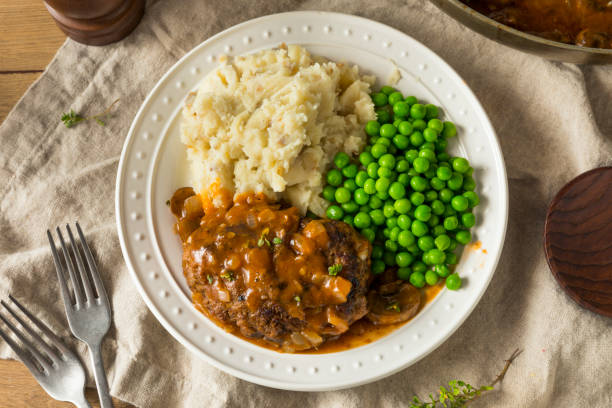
x=519 y=40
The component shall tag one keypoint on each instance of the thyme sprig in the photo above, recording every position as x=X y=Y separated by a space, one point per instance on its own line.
x=72 y=118
x=459 y=394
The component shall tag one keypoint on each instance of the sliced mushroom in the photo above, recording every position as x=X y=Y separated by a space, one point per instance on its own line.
x=393 y=307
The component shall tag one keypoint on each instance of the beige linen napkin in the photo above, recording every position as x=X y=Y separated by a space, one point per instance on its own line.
x=553 y=120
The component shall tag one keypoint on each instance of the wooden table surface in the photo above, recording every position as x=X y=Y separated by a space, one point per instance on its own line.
x=30 y=38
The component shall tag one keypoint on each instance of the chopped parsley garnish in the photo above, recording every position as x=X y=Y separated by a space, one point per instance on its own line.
x=334 y=269
x=394 y=307
x=297 y=299
x=210 y=278
x=228 y=275
x=263 y=240
x=277 y=241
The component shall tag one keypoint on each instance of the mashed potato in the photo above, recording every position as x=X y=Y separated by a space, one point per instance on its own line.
x=272 y=122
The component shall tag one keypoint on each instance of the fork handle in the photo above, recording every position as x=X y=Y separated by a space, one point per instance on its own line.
x=100 y=375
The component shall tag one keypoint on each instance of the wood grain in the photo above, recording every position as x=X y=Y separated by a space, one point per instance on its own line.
x=578 y=239
x=12 y=87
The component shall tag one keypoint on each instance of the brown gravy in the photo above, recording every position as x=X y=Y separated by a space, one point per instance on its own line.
x=587 y=23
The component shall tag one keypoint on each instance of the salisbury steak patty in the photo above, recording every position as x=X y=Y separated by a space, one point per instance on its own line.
x=259 y=268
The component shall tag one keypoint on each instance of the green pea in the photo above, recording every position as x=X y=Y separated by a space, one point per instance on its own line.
x=405 y=238
x=431 y=172
x=449 y=211
x=436 y=256
x=417 y=279
x=431 y=195
x=453 y=245
x=418 y=266
x=460 y=164
x=431 y=278
x=387 y=161
x=436 y=183
x=385 y=172
x=435 y=124
x=397 y=190
x=401 y=142
x=362 y=220
x=350 y=185
x=422 y=213
x=329 y=193
x=391 y=222
x=451 y=258
x=361 y=178
x=425 y=243
x=451 y=223
x=449 y=130
x=334 y=178
x=417 y=139
x=372 y=170
x=430 y=135
x=420 y=164
x=348 y=218
x=453 y=282
x=418 y=228
x=411 y=100
x=468 y=183
x=392 y=149
x=432 y=111
x=469 y=171
x=411 y=154
x=468 y=220
x=341 y=159
x=343 y=195
x=361 y=197
x=404 y=273
x=391 y=246
x=402 y=165
x=418 y=111
x=395 y=97
x=382 y=184
x=455 y=182
x=394 y=233
x=350 y=171
x=401 y=109
x=438 y=230
x=350 y=207
x=444 y=173
x=433 y=221
x=377 y=252
x=396 y=122
x=437 y=207
x=388 y=210
x=375 y=202
x=417 y=198
x=403 y=259
x=442 y=242
x=442 y=270
x=368 y=233
x=418 y=183
x=370 y=186
x=446 y=195
x=365 y=208
x=379 y=99
x=384 y=141
x=334 y=212
x=443 y=157
x=386 y=232
x=383 y=116
x=378 y=150
x=427 y=154
x=387 y=90
x=404 y=221
x=463 y=237
x=378 y=267
x=459 y=203
x=405 y=128
x=402 y=206
x=441 y=145
x=404 y=179
x=388 y=130
x=366 y=158
x=472 y=198
x=377 y=217
x=419 y=124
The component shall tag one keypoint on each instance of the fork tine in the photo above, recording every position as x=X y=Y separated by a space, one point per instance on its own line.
x=80 y=265
x=60 y=273
x=23 y=356
x=75 y=282
x=92 y=266
x=28 y=345
x=52 y=354
x=55 y=340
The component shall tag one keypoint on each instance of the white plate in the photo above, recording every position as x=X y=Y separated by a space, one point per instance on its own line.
x=152 y=166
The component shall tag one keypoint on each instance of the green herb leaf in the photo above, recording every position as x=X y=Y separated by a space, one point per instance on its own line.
x=394 y=307
x=228 y=275
x=72 y=118
x=297 y=299
x=210 y=279
x=277 y=241
x=334 y=269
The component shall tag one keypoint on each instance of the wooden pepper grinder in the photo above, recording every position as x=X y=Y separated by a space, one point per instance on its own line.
x=96 y=22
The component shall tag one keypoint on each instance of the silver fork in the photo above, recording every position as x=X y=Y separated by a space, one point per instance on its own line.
x=88 y=315
x=56 y=368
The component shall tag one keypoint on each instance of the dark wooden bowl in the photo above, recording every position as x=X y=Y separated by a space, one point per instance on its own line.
x=578 y=239
x=96 y=22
